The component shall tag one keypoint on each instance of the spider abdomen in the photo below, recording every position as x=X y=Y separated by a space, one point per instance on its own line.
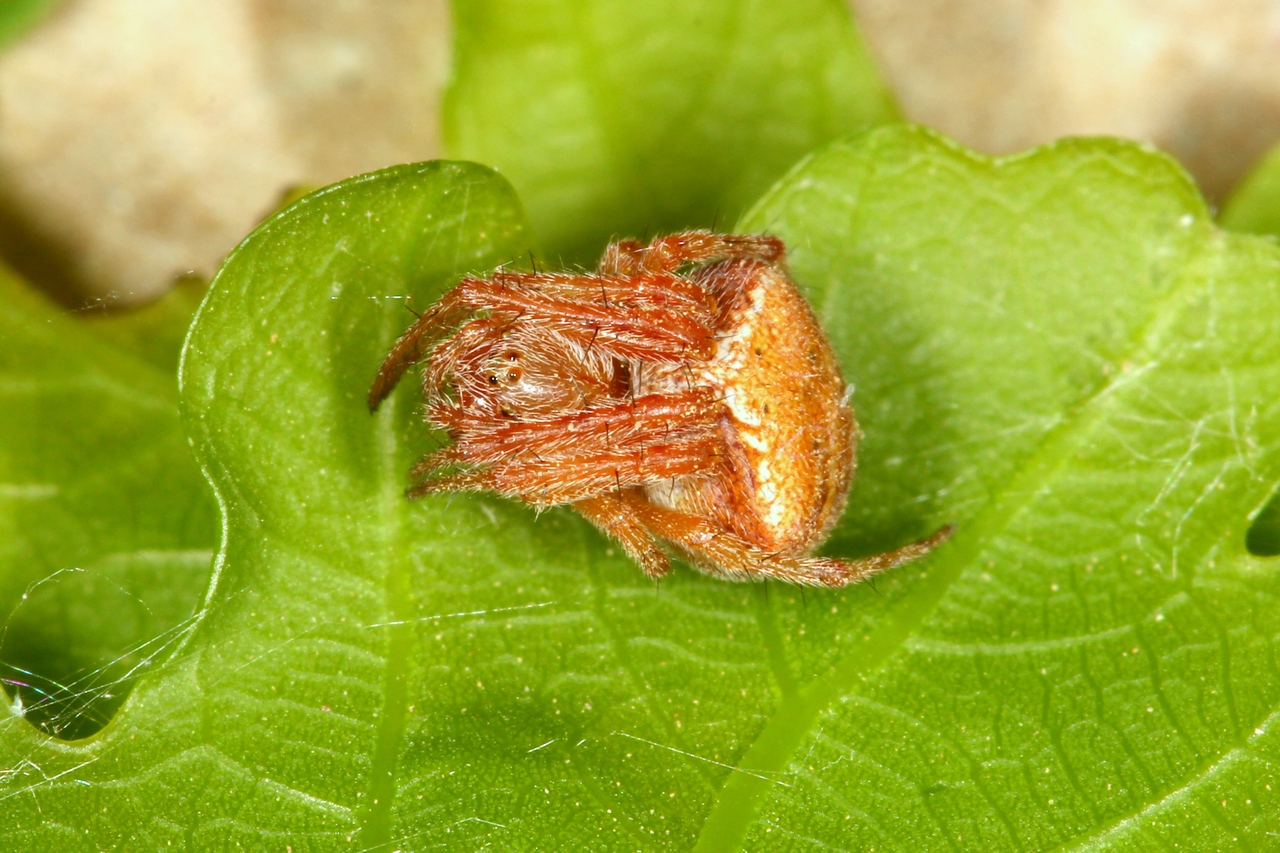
x=789 y=432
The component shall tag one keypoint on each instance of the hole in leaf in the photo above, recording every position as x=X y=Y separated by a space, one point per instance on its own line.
x=77 y=642
x=1263 y=538
x=57 y=694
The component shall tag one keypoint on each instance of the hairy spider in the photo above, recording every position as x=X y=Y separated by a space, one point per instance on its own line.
x=684 y=392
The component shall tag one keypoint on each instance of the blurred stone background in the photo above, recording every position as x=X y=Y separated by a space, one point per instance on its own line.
x=141 y=139
x=1198 y=78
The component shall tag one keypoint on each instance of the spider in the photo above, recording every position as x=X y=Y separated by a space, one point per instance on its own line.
x=684 y=393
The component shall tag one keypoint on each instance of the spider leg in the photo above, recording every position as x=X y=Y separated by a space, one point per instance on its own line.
x=416 y=340
x=667 y=254
x=656 y=317
x=480 y=480
x=636 y=325
x=611 y=515
x=641 y=290
x=604 y=473
x=622 y=257
x=643 y=424
x=721 y=553
x=571 y=458
x=618 y=519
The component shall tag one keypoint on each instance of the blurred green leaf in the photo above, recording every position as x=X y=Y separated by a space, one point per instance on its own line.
x=17 y=16
x=106 y=527
x=1057 y=350
x=622 y=118
x=154 y=332
x=1254 y=206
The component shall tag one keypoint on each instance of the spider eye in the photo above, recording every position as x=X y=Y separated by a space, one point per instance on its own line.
x=513 y=375
x=493 y=379
x=512 y=355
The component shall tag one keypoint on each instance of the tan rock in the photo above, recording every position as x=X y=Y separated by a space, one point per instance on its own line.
x=141 y=139
x=1199 y=78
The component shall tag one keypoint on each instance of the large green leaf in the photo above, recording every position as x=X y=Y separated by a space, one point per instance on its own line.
x=406 y=230
x=619 y=118
x=1058 y=351
x=106 y=529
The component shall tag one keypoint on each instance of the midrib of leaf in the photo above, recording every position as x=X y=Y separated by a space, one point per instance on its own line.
x=774 y=651
x=375 y=820
x=736 y=806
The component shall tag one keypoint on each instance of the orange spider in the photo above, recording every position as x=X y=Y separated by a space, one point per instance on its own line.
x=704 y=407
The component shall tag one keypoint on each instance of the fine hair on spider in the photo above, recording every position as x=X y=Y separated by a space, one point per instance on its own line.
x=683 y=393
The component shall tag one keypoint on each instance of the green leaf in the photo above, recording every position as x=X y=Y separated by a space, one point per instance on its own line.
x=1254 y=206
x=1059 y=351
x=622 y=118
x=325 y=282
x=106 y=528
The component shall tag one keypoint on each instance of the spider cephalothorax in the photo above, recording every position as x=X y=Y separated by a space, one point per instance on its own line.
x=704 y=407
